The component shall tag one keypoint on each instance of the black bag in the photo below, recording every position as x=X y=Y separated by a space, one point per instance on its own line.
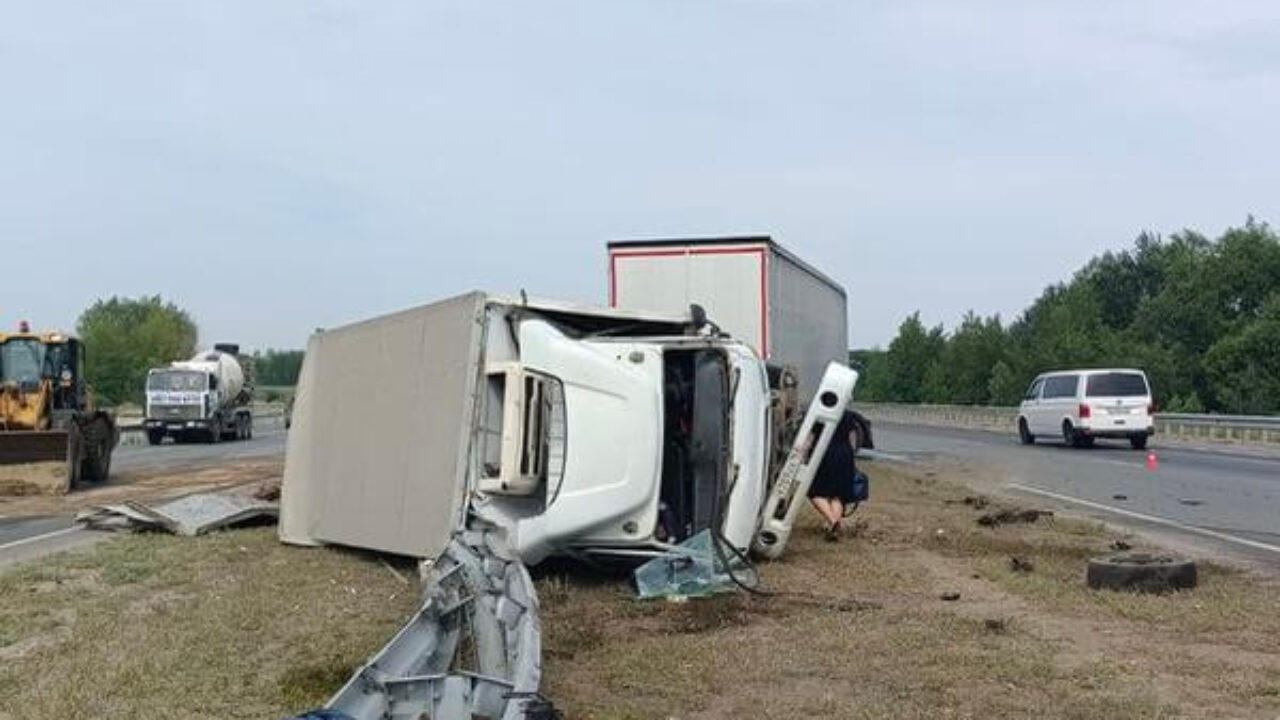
x=861 y=487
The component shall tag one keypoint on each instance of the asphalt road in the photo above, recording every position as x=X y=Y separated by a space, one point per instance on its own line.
x=1217 y=501
x=267 y=442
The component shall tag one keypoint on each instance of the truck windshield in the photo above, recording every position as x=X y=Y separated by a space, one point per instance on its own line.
x=21 y=361
x=1116 y=385
x=182 y=381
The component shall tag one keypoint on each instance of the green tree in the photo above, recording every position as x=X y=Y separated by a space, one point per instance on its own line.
x=278 y=367
x=1245 y=366
x=909 y=357
x=125 y=337
x=873 y=369
x=1004 y=388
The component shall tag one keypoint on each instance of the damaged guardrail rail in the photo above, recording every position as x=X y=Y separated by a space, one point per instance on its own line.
x=471 y=651
x=1242 y=429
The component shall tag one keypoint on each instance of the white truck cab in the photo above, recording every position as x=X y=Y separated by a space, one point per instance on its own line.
x=573 y=430
x=1082 y=405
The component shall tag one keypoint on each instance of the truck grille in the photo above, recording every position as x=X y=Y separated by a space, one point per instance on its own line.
x=175 y=412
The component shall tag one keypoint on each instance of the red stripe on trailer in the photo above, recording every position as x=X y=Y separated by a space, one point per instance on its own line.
x=759 y=251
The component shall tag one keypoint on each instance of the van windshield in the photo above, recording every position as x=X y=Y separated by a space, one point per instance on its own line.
x=1116 y=385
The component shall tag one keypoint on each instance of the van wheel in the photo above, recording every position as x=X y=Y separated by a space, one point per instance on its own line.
x=1024 y=432
x=1069 y=435
x=1138 y=442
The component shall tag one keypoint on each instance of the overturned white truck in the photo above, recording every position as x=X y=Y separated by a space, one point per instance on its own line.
x=508 y=430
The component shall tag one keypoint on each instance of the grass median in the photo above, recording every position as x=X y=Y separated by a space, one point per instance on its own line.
x=236 y=625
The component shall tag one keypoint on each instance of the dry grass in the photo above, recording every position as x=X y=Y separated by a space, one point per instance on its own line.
x=233 y=625
x=1015 y=645
x=237 y=626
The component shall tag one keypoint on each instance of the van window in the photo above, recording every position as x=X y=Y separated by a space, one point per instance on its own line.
x=1061 y=386
x=1033 y=392
x=1116 y=385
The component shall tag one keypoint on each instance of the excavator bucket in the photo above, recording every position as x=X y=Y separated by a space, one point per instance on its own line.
x=37 y=462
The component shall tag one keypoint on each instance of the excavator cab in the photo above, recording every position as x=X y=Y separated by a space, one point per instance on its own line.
x=51 y=435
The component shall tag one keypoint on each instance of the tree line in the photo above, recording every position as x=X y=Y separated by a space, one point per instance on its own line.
x=126 y=337
x=1200 y=316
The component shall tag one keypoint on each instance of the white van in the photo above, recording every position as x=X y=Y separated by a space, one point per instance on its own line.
x=1080 y=405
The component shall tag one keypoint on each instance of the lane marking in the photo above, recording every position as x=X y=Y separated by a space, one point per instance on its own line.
x=38 y=538
x=1154 y=519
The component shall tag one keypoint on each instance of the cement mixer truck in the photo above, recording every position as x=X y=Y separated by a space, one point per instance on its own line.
x=208 y=397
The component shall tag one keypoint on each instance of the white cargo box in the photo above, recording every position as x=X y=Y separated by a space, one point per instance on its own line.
x=752 y=287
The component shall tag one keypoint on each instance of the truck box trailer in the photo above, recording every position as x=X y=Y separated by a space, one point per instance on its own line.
x=790 y=313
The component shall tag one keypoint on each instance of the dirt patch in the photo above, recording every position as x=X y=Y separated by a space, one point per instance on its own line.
x=156 y=485
x=1023 y=639
x=39 y=478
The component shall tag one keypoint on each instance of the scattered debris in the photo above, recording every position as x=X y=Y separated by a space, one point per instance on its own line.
x=691 y=569
x=190 y=515
x=996 y=625
x=949 y=596
x=1018 y=564
x=1142 y=572
x=1191 y=501
x=1121 y=546
x=977 y=502
x=1005 y=517
x=1119 y=496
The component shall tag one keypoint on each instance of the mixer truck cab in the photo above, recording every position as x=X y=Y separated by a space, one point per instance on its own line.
x=207 y=397
x=572 y=430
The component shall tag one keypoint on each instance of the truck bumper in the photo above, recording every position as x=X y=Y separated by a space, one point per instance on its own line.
x=175 y=426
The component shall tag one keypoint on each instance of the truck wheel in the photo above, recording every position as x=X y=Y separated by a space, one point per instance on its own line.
x=1141 y=572
x=75 y=454
x=1024 y=432
x=96 y=464
x=1139 y=441
x=155 y=437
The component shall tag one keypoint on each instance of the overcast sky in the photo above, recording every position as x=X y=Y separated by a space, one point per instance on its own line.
x=277 y=166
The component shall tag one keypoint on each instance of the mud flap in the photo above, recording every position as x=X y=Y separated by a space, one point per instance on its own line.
x=473 y=649
x=810 y=444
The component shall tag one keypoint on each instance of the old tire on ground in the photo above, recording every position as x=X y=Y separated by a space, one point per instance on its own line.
x=1024 y=432
x=1141 y=572
x=1138 y=442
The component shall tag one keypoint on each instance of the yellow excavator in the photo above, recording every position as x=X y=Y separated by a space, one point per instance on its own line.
x=52 y=435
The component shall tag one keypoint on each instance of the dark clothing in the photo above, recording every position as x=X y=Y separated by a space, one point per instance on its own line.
x=834 y=478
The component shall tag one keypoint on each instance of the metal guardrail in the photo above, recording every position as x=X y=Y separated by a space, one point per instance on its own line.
x=1237 y=421
x=1242 y=429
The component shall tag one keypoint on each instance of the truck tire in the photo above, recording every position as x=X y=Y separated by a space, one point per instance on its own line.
x=155 y=437
x=75 y=454
x=98 y=444
x=1141 y=572
x=1138 y=442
